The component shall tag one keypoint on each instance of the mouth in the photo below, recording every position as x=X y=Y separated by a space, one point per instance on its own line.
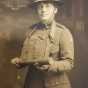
x=44 y=15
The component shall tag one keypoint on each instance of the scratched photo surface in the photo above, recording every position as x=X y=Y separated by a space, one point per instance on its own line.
x=16 y=16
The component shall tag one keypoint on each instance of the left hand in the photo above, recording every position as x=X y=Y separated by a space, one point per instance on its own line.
x=50 y=67
x=41 y=67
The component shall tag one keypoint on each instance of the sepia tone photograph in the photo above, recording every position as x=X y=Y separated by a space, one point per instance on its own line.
x=43 y=44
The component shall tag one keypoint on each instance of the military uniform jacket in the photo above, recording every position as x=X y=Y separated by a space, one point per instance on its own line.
x=61 y=49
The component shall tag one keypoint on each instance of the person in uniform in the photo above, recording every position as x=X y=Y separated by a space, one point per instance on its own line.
x=48 y=49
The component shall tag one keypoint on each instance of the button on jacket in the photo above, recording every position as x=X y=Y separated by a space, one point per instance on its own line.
x=60 y=48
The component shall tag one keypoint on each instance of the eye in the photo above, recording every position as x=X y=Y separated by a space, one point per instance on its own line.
x=47 y=5
x=40 y=6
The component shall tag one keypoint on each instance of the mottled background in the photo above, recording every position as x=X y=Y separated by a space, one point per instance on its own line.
x=15 y=19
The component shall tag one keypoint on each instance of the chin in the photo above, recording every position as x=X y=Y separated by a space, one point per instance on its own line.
x=44 y=20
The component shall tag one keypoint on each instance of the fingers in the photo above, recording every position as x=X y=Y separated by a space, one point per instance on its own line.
x=15 y=60
x=36 y=64
x=44 y=67
x=53 y=65
x=41 y=67
x=51 y=61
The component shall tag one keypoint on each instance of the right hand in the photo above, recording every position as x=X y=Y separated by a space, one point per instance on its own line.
x=15 y=60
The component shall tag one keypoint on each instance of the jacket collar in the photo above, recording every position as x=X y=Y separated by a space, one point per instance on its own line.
x=48 y=26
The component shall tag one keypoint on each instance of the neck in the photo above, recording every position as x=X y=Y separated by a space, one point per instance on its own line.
x=47 y=22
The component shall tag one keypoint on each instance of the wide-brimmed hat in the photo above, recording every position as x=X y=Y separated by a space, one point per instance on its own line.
x=36 y=2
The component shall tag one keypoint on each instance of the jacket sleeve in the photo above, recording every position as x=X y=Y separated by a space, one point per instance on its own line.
x=66 y=44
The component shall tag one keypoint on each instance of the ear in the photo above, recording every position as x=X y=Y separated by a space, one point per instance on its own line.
x=55 y=11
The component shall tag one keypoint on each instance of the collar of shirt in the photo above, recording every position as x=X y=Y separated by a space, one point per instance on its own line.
x=48 y=26
x=51 y=28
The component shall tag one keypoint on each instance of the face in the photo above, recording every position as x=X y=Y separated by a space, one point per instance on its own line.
x=46 y=11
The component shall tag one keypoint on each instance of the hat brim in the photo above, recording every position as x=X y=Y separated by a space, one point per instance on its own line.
x=57 y=2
